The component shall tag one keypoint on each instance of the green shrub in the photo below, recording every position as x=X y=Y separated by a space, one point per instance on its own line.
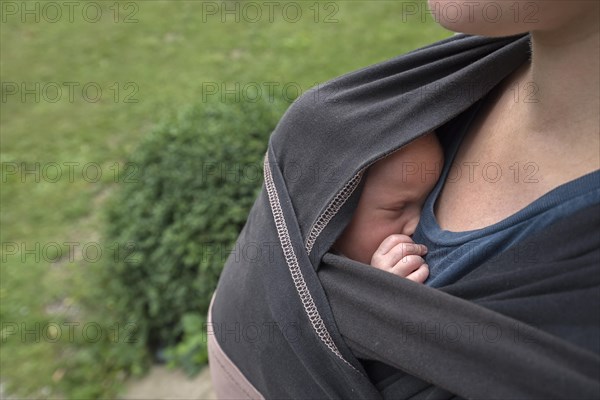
x=181 y=203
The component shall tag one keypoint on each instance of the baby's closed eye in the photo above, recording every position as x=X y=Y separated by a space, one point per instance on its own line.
x=394 y=209
x=392 y=206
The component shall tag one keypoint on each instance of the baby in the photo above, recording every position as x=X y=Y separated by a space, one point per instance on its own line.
x=389 y=208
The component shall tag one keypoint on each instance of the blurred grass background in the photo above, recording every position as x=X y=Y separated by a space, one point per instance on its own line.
x=166 y=51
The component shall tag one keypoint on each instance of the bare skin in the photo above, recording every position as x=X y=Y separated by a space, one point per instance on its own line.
x=548 y=139
x=389 y=209
x=559 y=134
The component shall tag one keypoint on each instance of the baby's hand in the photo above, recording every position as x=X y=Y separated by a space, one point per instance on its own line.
x=401 y=256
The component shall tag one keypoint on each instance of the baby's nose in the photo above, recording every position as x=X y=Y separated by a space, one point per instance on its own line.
x=411 y=226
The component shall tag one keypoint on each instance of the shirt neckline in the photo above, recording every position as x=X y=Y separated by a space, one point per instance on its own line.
x=564 y=192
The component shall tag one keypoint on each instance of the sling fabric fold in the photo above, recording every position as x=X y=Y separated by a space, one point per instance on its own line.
x=462 y=346
x=299 y=322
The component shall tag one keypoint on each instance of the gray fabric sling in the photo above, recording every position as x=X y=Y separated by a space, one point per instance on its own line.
x=296 y=320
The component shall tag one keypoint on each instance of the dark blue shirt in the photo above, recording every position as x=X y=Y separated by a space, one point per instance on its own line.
x=453 y=254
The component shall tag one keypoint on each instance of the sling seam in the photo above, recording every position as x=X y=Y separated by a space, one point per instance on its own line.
x=294 y=267
x=331 y=210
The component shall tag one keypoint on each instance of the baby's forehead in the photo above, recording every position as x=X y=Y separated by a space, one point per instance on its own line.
x=410 y=177
x=414 y=175
x=407 y=174
x=414 y=166
x=401 y=189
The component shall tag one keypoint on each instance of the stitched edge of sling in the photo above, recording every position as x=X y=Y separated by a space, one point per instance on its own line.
x=331 y=210
x=290 y=258
x=334 y=206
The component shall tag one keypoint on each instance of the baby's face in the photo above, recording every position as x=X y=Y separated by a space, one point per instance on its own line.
x=397 y=186
x=392 y=198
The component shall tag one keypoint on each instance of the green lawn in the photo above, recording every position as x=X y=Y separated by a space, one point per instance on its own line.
x=146 y=68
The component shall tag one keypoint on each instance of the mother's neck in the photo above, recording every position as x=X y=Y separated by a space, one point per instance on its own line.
x=565 y=72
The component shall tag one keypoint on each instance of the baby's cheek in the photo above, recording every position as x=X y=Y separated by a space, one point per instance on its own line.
x=357 y=243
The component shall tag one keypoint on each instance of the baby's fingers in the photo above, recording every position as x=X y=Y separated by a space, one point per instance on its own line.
x=407 y=265
x=401 y=250
x=393 y=249
x=420 y=274
x=391 y=241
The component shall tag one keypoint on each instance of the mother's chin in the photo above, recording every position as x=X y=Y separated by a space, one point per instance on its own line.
x=507 y=18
